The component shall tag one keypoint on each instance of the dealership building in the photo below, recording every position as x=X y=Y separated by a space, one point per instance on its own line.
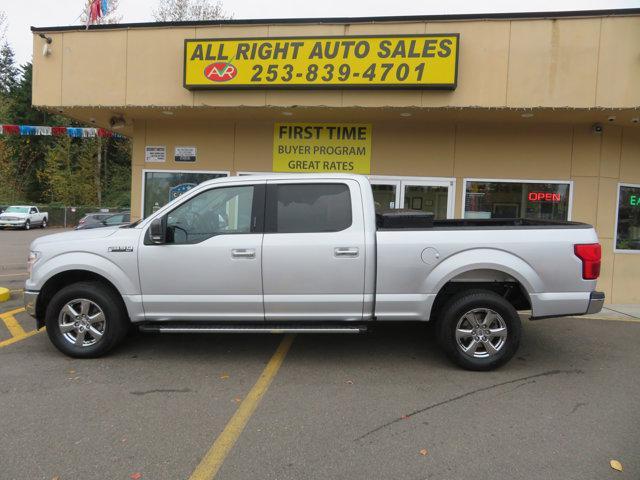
x=532 y=115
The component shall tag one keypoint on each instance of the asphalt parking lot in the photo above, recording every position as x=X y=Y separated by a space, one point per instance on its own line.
x=385 y=405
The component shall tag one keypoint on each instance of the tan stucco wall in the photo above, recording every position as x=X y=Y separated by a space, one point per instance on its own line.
x=594 y=162
x=576 y=62
x=572 y=72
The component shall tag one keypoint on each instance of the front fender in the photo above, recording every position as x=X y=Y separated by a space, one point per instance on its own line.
x=126 y=284
x=483 y=258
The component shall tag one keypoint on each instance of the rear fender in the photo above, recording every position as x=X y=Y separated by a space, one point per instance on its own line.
x=480 y=259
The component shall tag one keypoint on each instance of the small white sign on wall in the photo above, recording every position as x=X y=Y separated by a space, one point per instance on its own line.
x=185 y=154
x=155 y=154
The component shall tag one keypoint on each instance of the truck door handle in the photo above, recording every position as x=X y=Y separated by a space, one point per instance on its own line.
x=243 y=253
x=346 y=251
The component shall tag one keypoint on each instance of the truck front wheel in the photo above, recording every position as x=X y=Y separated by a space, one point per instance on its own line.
x=86 y=320
x=27 y=225
x=479 y=330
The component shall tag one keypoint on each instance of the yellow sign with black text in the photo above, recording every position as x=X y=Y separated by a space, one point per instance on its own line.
x=322 y=147
x=407 y=61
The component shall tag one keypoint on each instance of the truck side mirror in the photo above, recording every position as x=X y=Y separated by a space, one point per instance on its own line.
x=158 y=231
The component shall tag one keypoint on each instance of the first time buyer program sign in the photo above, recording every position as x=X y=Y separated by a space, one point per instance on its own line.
x=402 y=61
x=322 y=147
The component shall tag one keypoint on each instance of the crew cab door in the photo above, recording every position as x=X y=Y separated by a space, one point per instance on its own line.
x=209 y=267
x=313 y=252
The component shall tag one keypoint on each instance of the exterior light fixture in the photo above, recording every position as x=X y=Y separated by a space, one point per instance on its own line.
x=46 y=50
x=288 y=114
x=526 y=115
x=167 y=112
x=117 y=123
x=405 y=114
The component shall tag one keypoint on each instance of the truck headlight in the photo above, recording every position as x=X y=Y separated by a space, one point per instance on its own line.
x=31 y=260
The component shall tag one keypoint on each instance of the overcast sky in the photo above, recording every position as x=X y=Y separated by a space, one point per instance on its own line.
x=23 y=14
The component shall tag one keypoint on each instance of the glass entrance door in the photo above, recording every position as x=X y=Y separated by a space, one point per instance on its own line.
x=386 y=193
x=428 y=196
x=432 y=195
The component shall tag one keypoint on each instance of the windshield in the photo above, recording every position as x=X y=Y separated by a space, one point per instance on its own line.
x=17 y=210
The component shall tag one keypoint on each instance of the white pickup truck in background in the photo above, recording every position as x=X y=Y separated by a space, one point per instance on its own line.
x=309 y=253
x=24 y=216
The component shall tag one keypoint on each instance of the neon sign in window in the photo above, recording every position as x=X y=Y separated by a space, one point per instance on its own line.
x=628 y=221
x=544 y=197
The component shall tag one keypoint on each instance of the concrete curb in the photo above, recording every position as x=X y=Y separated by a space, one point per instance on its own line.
x=5 y=294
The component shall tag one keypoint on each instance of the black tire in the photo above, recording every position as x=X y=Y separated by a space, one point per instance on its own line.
x=115 y=327
x=465 y=302
x=44 y=223
x=27 y=225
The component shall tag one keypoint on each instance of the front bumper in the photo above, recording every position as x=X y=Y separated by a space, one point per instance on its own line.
x=12 y=223
x=596 y=301
x=30 y=300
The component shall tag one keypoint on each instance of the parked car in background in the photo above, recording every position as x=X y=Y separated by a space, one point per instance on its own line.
x=122 y=218
x=104 y=219
x=3 y=208
x=23 y=216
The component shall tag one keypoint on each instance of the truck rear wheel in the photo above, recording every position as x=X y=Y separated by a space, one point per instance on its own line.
x=44 y=223
x=479 y=330
x=86 y=320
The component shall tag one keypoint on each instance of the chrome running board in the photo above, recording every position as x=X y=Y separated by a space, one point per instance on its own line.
x=207 y=328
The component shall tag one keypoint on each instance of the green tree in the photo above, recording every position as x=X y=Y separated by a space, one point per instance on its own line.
x=9 y=72
x=181 y=10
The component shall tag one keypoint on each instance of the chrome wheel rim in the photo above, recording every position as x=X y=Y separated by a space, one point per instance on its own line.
x=481 y=333
x=82 y=322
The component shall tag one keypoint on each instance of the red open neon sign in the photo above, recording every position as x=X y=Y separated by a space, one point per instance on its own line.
x=544 y=197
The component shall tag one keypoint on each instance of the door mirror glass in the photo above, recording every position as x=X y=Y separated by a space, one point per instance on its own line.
x=158 y=231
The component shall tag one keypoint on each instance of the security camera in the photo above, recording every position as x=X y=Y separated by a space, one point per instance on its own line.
x=611 y=118
x=596 y=128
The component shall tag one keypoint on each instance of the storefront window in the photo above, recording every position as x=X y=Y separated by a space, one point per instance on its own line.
x=538 y=201
x=162 y=187
x=628 y=224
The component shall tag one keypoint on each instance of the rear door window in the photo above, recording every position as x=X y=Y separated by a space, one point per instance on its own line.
x=308 y=207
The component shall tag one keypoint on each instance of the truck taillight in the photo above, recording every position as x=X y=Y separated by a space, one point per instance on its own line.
x=590 y=254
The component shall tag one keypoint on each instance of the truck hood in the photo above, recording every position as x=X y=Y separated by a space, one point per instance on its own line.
x=73 y=236
x=13 y=215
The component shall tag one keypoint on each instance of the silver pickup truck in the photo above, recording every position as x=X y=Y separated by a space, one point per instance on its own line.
x=309 y=253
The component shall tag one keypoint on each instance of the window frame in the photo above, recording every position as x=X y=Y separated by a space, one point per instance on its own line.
x=227 y=173
x=271 y=207
x=615 y=224
x=513 y=180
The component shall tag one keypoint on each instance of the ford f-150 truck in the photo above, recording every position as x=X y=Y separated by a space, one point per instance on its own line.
x=24 y=216
x=308 y=253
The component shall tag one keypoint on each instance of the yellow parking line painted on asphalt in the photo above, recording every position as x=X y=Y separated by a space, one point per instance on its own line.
x=13 y=274
x=212 y=461
x=13 y=340
x=13 y=326
x=12 y=312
